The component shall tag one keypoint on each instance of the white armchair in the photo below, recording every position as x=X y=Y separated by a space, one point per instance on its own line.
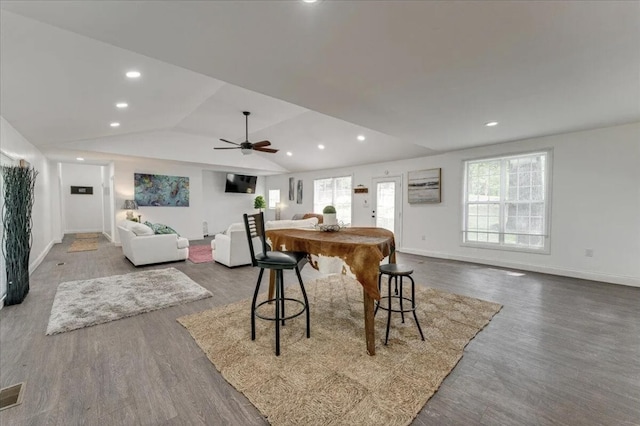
x=232 y=249
x=142 y=247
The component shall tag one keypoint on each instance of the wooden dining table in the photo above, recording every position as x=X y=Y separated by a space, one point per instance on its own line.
x=359 y=250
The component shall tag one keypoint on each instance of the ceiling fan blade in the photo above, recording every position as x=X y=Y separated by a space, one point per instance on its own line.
x=235 y=147
x=224 y=140
x=261 y=144
x=270 y=150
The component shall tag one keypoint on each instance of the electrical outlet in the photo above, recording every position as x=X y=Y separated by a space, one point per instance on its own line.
x=424 y=238
x=588 y=252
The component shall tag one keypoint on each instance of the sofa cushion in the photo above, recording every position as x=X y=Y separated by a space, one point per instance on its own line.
x=238 y=226
x=316 y=215
x=282 y=224
x=139 y=228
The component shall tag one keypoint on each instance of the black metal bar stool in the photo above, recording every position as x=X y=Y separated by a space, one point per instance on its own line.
x=395 y=271
x=278 y=261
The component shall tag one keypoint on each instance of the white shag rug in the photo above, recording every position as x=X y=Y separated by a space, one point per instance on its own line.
x=84 y=303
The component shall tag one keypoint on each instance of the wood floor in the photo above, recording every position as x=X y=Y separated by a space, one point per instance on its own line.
x=561 y=351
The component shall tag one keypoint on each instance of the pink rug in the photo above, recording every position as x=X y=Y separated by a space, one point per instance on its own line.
x=200 y=254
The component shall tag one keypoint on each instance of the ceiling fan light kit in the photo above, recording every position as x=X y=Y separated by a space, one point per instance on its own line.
x=247 y=147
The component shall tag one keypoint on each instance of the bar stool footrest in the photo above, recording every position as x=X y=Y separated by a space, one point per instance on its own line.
x=386 y=308
x=270 y=301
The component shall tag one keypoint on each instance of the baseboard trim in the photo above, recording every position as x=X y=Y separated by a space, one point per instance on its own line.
x=83 y=231
x=107 y=236
x=34 y=265
x=591 y=276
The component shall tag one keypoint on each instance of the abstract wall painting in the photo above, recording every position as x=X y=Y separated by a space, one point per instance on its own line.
x=424 y=186
x=161 y=190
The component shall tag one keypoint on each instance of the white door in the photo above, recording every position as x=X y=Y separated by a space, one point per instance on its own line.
x=386 y=205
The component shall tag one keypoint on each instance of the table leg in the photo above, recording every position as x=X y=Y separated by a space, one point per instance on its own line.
x=272 y=281
x=369 y=323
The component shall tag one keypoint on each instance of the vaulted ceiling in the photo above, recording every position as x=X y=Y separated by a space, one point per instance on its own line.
x=415 y=78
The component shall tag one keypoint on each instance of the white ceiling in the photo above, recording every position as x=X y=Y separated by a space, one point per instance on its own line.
x=415 y=78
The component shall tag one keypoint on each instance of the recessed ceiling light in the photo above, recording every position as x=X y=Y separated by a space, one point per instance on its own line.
x=309 y=1
x=320 y=146
x=289 y=153
x=361 y=138
x=122 y=105
x=114 y=124
x=133 y=74
x=79 y=158
x=491 y=124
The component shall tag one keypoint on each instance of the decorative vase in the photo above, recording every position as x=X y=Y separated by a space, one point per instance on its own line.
x=329 y=219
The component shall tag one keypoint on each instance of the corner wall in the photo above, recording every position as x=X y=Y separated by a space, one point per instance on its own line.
x=17 y=147
x=222 y=209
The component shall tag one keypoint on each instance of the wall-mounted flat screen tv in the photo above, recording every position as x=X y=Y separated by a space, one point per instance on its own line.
x=242 y=184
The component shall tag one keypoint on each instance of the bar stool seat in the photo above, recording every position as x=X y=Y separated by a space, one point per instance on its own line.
x=394 y=271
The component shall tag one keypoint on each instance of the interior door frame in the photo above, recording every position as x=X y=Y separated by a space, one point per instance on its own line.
x=397 y=179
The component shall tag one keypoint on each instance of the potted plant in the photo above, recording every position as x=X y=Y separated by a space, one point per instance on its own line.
x=259 y=203
x=329 y=216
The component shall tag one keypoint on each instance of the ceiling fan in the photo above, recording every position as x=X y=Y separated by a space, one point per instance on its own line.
x=246 y=147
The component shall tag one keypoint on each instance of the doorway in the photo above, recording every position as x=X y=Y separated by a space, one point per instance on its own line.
x=386 y=202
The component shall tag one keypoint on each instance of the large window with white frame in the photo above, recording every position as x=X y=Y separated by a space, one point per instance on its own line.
x=506 y=202
x=274 y=198
x=335 y=191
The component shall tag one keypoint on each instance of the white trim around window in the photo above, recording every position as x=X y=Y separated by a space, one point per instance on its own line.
x=336 y=191
x=274 y=198
x=506 y=202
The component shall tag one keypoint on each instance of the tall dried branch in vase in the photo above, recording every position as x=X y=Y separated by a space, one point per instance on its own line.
x=18 y=193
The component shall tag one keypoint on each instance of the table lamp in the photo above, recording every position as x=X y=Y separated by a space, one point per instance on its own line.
x=130 y=205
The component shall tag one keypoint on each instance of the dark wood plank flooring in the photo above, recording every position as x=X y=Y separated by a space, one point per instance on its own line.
x=562 y=351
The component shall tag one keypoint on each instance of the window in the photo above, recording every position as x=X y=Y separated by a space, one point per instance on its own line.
x=506 y=202
x=274 y=198
x=336 y=192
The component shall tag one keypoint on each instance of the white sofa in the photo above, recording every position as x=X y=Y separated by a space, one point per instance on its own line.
x=232 y=249
x=141 y=246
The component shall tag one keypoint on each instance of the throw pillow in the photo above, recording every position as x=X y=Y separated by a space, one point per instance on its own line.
x=140 y=229
x=159 y=228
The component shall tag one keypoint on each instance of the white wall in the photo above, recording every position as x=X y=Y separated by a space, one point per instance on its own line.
x=222 y=209
x=207 y=199
x=16 y=146
x=595 y=204
x=82 y=212
x=187 y=221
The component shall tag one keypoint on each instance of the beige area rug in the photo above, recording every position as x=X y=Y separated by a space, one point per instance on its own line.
x=329 y=379
x=84 y=303
x=83 y=244
x=87 y=235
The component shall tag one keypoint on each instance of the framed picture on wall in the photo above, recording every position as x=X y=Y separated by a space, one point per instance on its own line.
x=87 y=190
x=424 y=186
x=292 y=189
x=161 y=190
x=299 y=201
